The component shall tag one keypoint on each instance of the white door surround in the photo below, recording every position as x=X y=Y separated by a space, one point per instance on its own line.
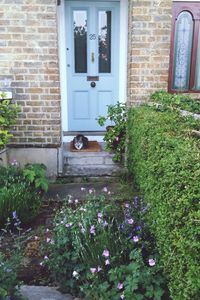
x=63 y=60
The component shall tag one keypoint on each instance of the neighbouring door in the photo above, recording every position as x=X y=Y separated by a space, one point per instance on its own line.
x=92 y=30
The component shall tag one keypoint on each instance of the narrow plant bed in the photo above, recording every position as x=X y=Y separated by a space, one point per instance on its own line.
x=96 y=248
x=101 y=249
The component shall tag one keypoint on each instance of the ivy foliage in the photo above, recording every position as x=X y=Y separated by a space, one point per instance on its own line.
x=165 y=161
x=176 y=101
x=8 y=115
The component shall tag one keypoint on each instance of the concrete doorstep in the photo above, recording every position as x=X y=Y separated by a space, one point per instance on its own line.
x=43 y=293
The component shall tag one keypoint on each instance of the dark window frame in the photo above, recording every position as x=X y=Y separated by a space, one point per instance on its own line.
x=194 y=9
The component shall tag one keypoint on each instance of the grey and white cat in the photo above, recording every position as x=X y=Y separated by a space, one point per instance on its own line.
x=80 y=142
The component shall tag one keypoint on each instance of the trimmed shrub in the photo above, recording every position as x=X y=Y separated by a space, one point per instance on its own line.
x=165 y=162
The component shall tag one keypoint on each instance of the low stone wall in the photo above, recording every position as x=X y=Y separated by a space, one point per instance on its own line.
x=46 y=156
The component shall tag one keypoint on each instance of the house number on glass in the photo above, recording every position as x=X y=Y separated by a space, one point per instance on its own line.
x=92 y=36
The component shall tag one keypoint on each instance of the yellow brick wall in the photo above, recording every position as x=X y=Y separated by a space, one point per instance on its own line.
x=29 y=60
x=149 y=44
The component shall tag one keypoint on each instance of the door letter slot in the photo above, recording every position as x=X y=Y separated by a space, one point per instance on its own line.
x=92 y=78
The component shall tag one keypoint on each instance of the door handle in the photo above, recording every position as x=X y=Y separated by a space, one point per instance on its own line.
x=92 y=57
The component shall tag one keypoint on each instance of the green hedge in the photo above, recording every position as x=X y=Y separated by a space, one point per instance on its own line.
x=165 y=162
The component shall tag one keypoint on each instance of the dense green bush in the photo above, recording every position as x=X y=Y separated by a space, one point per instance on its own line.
x=21 y=191
x=101 y=248
x=165 y=162
x=8 y=115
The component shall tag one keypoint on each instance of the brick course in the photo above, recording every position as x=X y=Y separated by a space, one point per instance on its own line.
x=149 y=44
x=29 y=59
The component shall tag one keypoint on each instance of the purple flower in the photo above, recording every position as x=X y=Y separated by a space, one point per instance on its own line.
x=136 y=201
x=135 y=238
x=105 y=189
x=105 y=224
x=121 y=226
x=14 y=214
x=106 y=253
x=99 y=215
x=93 y=270
x=120 y=286
x=107 y=262
x=68 y=225
x=130 y=221
x=138 y=228
x=117 y=139
x=92 y=229
x=152 y=262
x=126 y=205
x=14 y=162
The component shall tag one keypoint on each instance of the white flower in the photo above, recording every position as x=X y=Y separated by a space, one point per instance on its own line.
x=107 y=262
x=83 y=209
x=75 y=274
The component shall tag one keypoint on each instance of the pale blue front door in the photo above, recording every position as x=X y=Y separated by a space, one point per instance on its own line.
x=92 y=30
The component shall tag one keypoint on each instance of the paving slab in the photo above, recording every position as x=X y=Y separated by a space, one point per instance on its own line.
x=43 y=293
x=75 y=189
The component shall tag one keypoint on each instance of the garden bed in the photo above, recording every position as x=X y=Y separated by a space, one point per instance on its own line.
x=116 y=240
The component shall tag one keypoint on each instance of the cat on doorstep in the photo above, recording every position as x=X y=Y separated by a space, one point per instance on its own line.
x=80 y=142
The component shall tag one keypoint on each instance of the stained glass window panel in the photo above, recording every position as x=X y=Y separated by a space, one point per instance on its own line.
x=182 y=52
x=80 y=40
x=197 y=68
x=105 y=41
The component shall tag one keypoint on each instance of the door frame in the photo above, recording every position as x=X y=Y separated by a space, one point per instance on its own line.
x=123 y=57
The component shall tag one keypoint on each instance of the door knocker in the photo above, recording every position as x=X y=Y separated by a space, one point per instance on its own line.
x=93 y=84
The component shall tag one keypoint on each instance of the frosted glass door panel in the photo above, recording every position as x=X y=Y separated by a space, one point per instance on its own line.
x=80 y=40
x=182 y=51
